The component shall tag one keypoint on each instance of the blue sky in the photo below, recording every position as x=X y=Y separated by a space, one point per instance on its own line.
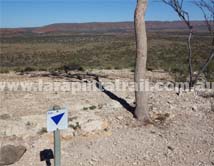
x=31 y=13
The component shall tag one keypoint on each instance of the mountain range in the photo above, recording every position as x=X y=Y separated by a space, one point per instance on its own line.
x=104 y=27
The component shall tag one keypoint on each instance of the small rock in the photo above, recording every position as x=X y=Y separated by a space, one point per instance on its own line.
x=4 y=116
x=119 y=118
x=68 y=134
x=169 y=102
x=172 y=107
x=94 y=160
x=194 y=108
x=170 y=148
x=135 y=163
x=211 y=156
x=10 y=154
x=212 y=105
x=115 y=143
x=91 y=162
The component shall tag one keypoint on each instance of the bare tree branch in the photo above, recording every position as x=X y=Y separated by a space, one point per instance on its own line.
x=178 y=8
x=184 y=16
x=207 y=8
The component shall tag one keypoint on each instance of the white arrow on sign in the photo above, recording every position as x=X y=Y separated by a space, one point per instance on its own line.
x=57 y=119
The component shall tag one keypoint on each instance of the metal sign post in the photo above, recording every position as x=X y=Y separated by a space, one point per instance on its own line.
x=57 y=148
x=57 y=119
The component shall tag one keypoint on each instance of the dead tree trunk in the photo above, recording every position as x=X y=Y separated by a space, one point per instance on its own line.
x=141 y=111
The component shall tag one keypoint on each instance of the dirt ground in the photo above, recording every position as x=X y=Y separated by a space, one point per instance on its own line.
x=183 y=134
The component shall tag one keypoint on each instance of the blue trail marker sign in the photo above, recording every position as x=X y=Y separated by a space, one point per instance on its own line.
x=57 y=119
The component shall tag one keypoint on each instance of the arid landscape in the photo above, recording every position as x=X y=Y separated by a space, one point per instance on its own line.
x=102 y=46
x=103 y=132
x=102 y=129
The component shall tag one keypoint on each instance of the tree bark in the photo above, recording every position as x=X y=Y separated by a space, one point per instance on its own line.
x=141 y=111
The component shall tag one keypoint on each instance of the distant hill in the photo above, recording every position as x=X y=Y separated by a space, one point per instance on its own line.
x=103 y=27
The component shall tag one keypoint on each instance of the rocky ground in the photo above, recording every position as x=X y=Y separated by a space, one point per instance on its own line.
x=102 y=132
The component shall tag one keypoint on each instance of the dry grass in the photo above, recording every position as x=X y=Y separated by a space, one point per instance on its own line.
x=103 y=51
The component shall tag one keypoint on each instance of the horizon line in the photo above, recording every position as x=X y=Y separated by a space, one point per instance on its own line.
x=93 y=22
